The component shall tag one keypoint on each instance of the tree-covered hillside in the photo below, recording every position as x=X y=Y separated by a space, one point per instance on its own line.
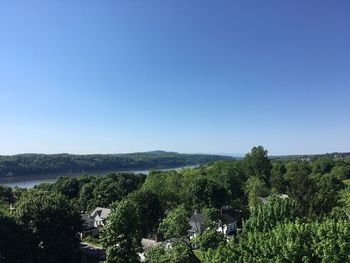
x=285 y=210
x=25 y=164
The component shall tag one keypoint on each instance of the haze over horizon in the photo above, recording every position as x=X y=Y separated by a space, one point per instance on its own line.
x=132 y=76
x=237 y=155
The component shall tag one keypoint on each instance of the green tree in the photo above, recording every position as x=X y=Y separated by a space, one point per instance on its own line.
x=178 y=253
x=67 y=186
x=204 y=192
x=114 y=187
x=277 y=181
x=168 y=186
x=121 y=236
x=326 y=195
x=255 y=189
x=345 y=200
x=54 y=223
x=148 y=209
x=212 y=217
x=175 y=224
x=267 y=216
x=86 y=195
x=15 y=241
x=210 y=239
x=302 y=188
x=6 y=194
x=257 y=164
x=323 y=242
x=322 y=165
x=230 y=175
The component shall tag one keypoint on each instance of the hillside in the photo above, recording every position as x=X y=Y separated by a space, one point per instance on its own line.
x=26 y=164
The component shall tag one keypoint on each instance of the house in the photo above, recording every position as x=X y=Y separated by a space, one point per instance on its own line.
x=168 y=244
x=88 y=222
x=227 y=225
x=99 y=216
x=197 y=222
x=93 y=221
x=264 y=200
x=229 y=221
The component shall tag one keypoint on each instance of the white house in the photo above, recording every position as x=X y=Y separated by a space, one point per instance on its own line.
x=99 y=216
x=227 y=224
x=93 y=221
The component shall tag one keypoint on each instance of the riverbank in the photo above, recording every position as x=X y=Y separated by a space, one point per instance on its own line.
x=29 y=181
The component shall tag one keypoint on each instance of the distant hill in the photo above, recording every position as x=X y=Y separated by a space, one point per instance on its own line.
x=340 y=155
x=32 y=164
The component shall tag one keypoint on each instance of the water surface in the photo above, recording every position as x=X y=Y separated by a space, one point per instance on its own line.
x=29 y=181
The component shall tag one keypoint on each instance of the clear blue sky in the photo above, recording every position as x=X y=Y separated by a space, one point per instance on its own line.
x=190 y=76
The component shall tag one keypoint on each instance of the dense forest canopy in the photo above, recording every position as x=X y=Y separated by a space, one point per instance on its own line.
x=25 y=164
x=305 y=201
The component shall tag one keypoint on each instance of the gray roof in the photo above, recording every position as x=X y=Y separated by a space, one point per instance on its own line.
x=87 y=220
x=197 y=222
x=228 y=219
x=101 y=212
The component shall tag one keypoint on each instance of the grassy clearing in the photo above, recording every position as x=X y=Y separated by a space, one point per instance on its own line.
x=347 y=182
x=92 y=241
x=199 y=254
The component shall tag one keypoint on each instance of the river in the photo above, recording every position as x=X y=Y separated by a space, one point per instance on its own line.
x=29 y=181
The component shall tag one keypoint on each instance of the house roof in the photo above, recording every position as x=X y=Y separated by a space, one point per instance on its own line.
x=87 y=220
x=228 y=219
x=197 y=222
x=148 y=243
x=101 y=212
x=229 y=214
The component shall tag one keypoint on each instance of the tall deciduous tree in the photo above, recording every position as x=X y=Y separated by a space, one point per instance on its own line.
x=257 y=164
x=277 y=181
x=204 y=192
x=175 y=224
x=54 y=223
x=255 y=189
x=15 y=241
x=178 y=253
x=148 y=209
x=121 y=236
x=267 y=216
x=292 y=242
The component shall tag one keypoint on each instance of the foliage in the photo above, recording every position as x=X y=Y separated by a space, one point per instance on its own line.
x=169 y=187
x=6 y=194
x=257 y=164
x=326 y=241
x=277 y=181
x=344 y=201
x=212 y=217
x=67 y=186
x=267 y=216
x=255 y=189
x=327 y=193
x=114 y=187
x=148 y=209
x=121 y=236
x=175 y=225
x=54 y=223
x=210 y=239
x=178 y=253
x=47 y=217
x=26 y=164
x=11 y=250
x=204 y=192
x=230 y=175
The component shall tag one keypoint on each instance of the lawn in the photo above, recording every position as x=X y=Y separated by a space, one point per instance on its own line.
x=199 y=254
